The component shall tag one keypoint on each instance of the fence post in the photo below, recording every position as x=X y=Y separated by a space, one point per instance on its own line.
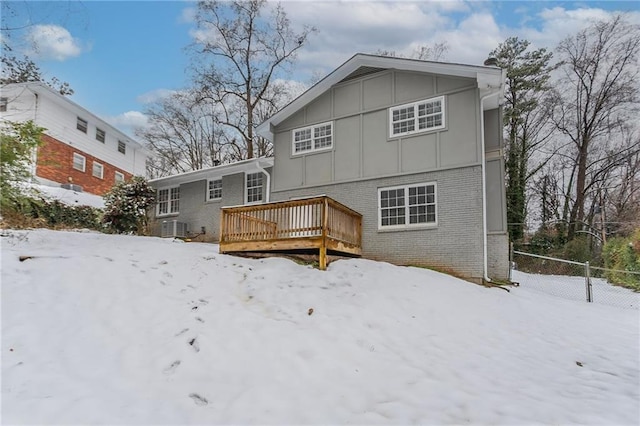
x=587 y=281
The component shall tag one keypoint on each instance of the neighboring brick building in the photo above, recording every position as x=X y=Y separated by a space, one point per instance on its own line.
x=77 y=146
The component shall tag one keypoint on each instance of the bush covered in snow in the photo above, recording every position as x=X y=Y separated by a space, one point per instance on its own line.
x=126 y=206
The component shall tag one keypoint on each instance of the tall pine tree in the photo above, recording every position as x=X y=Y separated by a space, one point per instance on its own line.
x=525 y=120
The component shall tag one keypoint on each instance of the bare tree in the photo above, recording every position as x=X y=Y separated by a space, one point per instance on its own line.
x=598 y=90
x=435 y=52
x=182 y=134
x=239 y=54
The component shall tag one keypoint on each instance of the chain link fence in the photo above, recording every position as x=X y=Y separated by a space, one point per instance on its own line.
x=575 y=280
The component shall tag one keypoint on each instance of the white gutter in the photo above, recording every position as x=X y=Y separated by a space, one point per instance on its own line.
x=484 y=188
x=268 y=191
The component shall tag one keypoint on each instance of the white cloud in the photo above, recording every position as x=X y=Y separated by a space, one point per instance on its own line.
x=52 y=42
x=155 y=95
x=128 y=122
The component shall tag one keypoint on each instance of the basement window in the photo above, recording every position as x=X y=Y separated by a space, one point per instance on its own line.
x=407 y=206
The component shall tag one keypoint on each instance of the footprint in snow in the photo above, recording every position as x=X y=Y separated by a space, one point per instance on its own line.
x=172 y=367
x=184 y=330
x=194 y=344
x=199 y=400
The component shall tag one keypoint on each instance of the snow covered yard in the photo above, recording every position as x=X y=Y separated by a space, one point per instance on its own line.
x=105 y=329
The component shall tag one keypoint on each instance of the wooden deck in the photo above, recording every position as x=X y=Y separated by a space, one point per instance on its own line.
x=318 y=223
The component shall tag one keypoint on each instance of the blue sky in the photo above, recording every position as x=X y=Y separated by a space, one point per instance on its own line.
x=117 y=55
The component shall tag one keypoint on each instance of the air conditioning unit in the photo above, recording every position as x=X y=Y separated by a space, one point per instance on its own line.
x=72 y=187
x=173 y=228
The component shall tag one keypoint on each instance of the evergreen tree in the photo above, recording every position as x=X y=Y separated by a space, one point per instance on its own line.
x=126 y=206
x=525 y=120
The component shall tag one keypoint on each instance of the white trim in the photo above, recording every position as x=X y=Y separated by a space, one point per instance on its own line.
x=115 y=176
x=93 y=170
x=169 y=212
x=416 y=118
x=84 y=162
x=406 y=206
x=312 y=139
x=208 y=197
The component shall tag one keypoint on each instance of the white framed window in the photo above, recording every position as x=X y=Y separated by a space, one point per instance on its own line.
x=417 y=117
x=79 y=162
x=407 y=206
x=254 y=188
x=122 y=147
x=98 y=170
x=82 y=125
x=318 y=137
x=214 y=189
x=168 y=201
x=100 y=135
x=119 y=177
x=3 y=104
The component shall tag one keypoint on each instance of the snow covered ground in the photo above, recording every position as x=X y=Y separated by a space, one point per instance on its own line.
x=67 y=196
x=130 y=330
x=574 y=288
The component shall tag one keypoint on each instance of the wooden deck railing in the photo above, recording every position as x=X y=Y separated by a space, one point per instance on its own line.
x=318 y=222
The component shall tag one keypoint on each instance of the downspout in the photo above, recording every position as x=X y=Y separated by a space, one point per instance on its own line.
x=268 y=191
x=485 y=256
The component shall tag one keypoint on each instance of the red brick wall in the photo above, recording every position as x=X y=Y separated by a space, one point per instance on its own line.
x=55 y=162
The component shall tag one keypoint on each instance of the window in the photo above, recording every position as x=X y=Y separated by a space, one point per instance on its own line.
x=122 y=147
x=3 y=104
x=119 y=177
x=254 y=187
x=407 y=206
x=313 y=138
x=97 y=170
x=168 y=200
x=100 y=135
x=417 y=117
x=214 y=189
x=81 y=125
x=79 y=162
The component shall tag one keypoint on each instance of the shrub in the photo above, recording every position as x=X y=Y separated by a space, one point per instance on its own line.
x=623 y=254
x=126 y=206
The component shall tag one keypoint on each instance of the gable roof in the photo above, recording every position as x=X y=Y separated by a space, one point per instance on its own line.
x=489 y=78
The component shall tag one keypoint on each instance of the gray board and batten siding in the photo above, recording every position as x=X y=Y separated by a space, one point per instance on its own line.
x=364 y=158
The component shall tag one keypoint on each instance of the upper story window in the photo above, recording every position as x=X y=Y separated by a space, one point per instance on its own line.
x=407 y=206
x=168 y=201
x=122 y=147
x=98 y=170
x=119 y=177
x=214 y=190
x=100 y=135
x=81 y=125
x=79 y=162
x=3 y=104
x=417 y=117
x=254 y=187
x=313 y=138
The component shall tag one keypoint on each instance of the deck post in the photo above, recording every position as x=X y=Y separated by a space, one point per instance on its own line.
x=323 y=243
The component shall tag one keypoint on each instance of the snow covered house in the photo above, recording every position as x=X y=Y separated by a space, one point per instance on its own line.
x=414 y=147
x=79 y=150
